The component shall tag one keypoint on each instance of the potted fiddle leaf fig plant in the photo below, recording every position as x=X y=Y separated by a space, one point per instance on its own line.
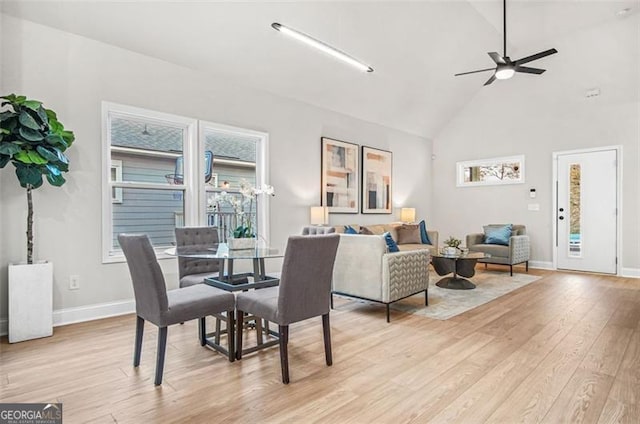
x=33 y=141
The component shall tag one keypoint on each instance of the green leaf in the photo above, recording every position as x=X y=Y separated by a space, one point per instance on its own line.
x=27 y=120
x=47 y=154
x=20 y=99
x=68 y=137
x=53 y=170
x=23 y=157
x=55 y=180
x=30 y=135
x=32 y=104
x=4 y=160
x=51 y=115
x=36 y=158
x=56 y=140
x=10 y=124
x=28 y=175
x=43 y=116
x=9 y=149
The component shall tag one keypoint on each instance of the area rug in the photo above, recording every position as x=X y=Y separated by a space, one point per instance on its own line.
x=447 y=303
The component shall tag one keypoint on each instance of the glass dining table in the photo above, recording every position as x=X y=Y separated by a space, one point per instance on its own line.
x=229 y=280
x=232 y=281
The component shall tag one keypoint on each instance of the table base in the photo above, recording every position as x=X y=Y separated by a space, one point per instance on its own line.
x=455 y=283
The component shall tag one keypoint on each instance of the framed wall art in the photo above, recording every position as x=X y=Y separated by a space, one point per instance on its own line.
x=376 y=180
x=340 y=173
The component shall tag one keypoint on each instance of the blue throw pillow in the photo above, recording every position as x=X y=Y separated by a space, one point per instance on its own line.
x=498 y=235
x=423 y=233
x=391 y=243
x=348 y=229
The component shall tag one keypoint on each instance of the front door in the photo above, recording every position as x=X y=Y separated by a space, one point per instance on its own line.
x=586 y=211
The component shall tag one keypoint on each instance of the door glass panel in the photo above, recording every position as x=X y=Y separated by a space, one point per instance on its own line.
x=575 y=232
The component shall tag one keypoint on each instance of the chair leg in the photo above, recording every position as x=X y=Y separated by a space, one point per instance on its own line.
x=202 y=331
x=138 y=344
x=284 y=353
x=239 y=327
x=485 y=265
x=218 y=320
x=326 y=332
x=231 y=336
x=162 y=346
x=526 y=266
x=511 y=270
x=331 y=300
x=426 y=298
x=388 y=312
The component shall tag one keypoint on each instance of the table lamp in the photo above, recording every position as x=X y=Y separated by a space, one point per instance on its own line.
x=408 y=214
x=319 y=215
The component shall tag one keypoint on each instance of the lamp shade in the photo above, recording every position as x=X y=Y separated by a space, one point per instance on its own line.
x=408 y=214
x=319 y=215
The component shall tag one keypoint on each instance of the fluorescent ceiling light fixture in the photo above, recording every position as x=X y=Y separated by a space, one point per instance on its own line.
x=504 y=73
x=310 y=41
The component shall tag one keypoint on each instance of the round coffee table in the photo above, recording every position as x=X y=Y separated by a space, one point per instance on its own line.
x=461 y=265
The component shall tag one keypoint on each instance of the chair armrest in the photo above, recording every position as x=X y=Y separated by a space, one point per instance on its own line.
x=404 y=274
x=433 y=238
x=519 y=249
x=473 y=239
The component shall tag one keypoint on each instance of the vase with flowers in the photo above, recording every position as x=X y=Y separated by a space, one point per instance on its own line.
x=245 y=230
x=452 y=245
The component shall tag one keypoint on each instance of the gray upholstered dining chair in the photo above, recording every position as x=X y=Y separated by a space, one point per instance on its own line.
x=304 y=292
x=164 y=308
x=190 y=270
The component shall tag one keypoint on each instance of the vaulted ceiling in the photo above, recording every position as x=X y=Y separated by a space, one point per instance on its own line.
x=414 y=47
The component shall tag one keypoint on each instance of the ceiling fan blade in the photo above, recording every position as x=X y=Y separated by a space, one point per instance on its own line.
x=528 y=70
x=473 y=72
x=490 y=80
x=497 y=58
x=535 y=57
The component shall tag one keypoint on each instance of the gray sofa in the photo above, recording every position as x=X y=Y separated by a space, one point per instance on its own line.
x=516 y=252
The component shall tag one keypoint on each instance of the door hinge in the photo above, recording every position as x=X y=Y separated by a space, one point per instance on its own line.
x=616 y=261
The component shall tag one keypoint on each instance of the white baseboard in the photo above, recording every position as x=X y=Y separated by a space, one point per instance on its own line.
x=631 y=272
x=541 y=265
x=84 y=313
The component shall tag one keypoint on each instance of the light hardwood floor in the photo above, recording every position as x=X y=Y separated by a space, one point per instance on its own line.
x=563 y=349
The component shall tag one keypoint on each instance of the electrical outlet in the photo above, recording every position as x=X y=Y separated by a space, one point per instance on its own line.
x=74 y=282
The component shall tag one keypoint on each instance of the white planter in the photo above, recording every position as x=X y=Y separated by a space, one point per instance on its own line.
x=241 y=243
x=30 y=301
x=450 y=250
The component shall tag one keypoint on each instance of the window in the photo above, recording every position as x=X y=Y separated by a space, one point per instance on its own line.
x=116 y=176
x=505 y=170
x=154 y=180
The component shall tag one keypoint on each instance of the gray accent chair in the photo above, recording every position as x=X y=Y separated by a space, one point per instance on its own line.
x=304 y=292
x=191 y=270
x=164 y=308
x=517 y=252
x=317 y=230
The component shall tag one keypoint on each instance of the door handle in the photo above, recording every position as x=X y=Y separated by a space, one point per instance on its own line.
x=561 y=218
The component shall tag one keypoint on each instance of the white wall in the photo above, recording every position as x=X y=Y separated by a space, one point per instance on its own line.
x=73 y=75
x=538 y=115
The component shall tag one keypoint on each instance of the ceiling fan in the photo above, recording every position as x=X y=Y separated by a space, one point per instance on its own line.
x=505 y=67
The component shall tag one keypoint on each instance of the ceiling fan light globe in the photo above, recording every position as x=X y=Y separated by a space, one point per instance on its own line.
x=505 y=73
